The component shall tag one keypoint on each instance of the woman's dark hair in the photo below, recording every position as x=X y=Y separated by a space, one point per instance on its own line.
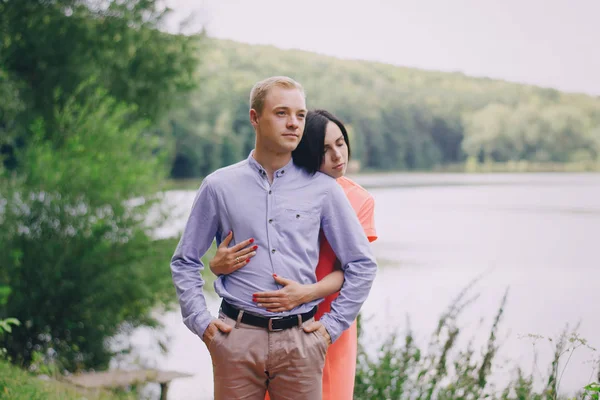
x=310 y=151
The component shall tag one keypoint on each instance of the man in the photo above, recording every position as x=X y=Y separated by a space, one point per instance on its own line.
x=267 y=198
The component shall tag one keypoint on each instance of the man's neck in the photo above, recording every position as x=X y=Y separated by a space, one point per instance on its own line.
x=270 y=161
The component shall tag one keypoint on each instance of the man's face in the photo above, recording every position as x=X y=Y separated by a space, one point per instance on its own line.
x=280 y=125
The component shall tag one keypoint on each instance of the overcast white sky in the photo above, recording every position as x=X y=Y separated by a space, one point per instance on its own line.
x=551 y=43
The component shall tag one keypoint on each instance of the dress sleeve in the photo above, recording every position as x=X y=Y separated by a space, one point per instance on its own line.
x=366 y=216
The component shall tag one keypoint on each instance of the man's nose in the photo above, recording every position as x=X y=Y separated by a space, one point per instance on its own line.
x=293 y=122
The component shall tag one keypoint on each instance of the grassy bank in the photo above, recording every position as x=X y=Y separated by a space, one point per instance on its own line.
x=18 y=384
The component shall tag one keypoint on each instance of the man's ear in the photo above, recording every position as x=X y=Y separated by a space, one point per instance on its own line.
x=253 y=117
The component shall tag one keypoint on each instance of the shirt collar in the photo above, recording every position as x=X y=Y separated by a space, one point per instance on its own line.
x=289 y=169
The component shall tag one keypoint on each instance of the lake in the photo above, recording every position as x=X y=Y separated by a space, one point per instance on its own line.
x=536 y=234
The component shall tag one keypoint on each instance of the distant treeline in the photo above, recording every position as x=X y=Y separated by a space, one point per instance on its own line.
x=399 y=118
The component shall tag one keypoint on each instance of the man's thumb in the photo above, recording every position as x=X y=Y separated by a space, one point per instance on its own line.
x=311 y=327
x=223 y=327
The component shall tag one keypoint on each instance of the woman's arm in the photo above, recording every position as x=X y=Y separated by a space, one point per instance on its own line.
x=293 y=293
x=330 y=284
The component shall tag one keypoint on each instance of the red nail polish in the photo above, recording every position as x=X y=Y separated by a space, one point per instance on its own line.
x=247 y=260
x=252 y=240
x=255 y=247
x=275 y=275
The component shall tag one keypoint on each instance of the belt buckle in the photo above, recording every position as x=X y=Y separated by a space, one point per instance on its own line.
x=270 y=326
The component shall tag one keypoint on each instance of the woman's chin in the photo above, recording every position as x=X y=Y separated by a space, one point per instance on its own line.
x=334 y=174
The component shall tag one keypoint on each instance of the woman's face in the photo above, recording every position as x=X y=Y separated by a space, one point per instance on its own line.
x=335 y=159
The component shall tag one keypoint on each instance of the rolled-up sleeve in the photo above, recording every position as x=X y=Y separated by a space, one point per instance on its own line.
x=186 y=264
x=347 y=239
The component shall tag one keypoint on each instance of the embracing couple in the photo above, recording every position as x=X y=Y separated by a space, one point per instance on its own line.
x=294 y=263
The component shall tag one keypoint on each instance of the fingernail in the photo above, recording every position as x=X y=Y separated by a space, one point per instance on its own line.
x=229 y=233
x=275 y=275
x=252 y=240
x=254 y=300
x=247 y=260
x=255 y=247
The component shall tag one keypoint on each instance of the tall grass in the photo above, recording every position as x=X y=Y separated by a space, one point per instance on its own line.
x=402 y=370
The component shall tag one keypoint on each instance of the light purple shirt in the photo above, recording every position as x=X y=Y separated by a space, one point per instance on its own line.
x=284 y=218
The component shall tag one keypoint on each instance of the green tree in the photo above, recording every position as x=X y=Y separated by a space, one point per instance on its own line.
x=75 y=247
x=401 y=118
x=51 y=47
x=59 y=44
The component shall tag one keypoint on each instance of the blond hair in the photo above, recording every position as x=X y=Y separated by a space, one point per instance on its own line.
x=261 y=89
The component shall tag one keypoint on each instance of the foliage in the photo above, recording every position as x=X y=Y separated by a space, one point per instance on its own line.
x=60 y=44
x=18 y=384
x=83 y=85
x=10 y=106
x=592 y=391
x=7 y=323
x=444 y=371
x=48 y=49
x=75 y=246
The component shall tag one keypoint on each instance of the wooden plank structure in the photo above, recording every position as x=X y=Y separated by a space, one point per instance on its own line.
x=124 y=378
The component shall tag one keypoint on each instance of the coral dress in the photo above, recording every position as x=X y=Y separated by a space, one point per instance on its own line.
x=340 y=362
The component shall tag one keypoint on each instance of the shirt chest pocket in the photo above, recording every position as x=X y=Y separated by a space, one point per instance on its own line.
x=302 y=222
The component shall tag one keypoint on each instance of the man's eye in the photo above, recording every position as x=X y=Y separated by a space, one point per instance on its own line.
x=301 y=116
x=280 y=112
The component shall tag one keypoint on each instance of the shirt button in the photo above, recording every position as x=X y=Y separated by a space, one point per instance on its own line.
x=270 y=220
x=270 y=192
x=273 y=251
x=282 y=172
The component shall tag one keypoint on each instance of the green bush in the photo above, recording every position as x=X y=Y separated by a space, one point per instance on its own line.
x=75 y=245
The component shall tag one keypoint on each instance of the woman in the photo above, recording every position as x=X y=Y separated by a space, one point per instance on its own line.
x=324 y=147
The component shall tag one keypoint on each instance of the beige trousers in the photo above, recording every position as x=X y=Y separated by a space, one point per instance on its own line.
x=250 y=360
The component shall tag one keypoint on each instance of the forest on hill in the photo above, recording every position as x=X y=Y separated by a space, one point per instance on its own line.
x=399 y=118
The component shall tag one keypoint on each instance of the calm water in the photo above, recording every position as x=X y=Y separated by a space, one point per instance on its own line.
x=536 y=234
